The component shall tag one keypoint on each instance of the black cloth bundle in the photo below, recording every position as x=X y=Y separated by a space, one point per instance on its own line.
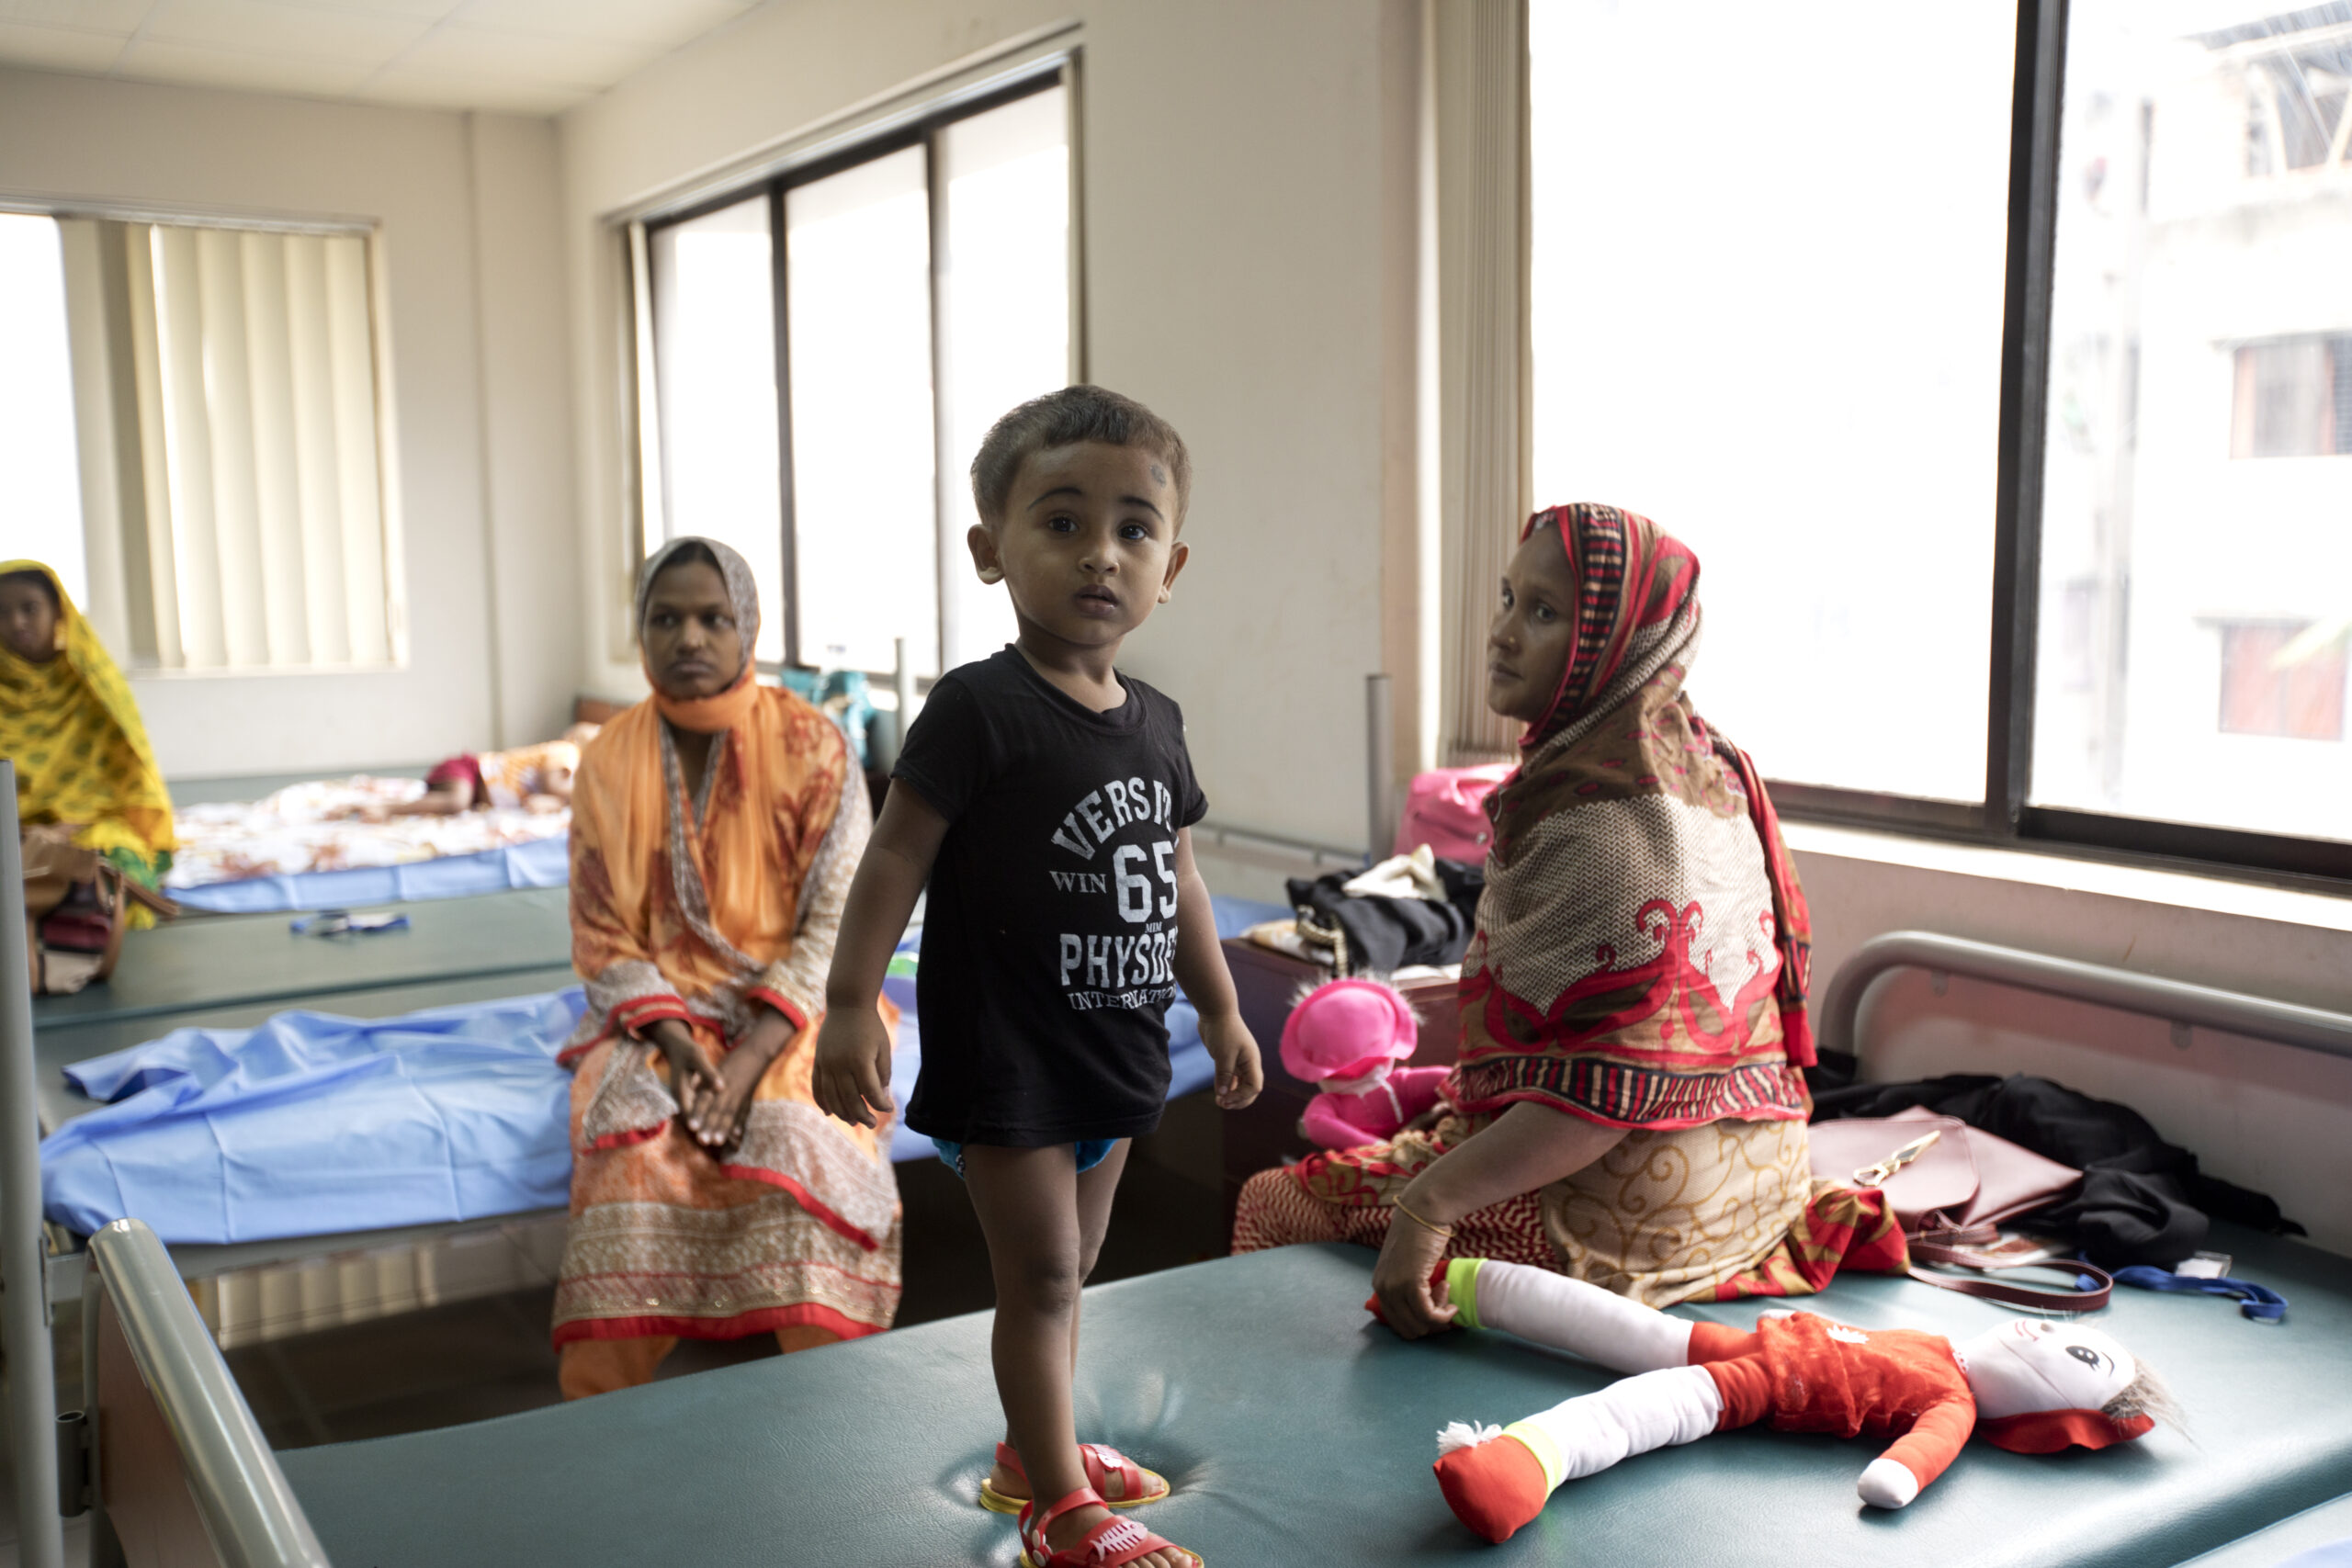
x=1385 y=934
x=2142 y=1200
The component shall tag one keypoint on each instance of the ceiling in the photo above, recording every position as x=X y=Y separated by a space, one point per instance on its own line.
x=535 y=57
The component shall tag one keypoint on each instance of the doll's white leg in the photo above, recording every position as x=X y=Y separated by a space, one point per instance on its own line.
x=1498 y=1481
x=1652 y=1411
x=1569 y=1315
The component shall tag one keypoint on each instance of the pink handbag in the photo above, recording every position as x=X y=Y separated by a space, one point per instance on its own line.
x=1447 y=810
x=1950 y=1186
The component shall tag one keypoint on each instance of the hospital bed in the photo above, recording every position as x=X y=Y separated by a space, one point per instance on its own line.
x=276 y=1229
x=1295 y=1430
x=538 y=863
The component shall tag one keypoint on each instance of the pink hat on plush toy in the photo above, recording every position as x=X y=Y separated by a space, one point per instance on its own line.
x=1344 y=1028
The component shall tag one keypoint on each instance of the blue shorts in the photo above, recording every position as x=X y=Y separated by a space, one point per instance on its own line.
x=1091 y=1152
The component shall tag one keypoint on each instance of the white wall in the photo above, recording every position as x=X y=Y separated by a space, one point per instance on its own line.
x=1247 y=243
x=467 y=217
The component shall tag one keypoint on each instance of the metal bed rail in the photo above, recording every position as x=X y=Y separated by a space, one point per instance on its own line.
x=174 y=1422
x=23 y=1305
x=2289 y=1023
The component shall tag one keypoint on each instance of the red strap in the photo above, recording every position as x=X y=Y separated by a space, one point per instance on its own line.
x=1101 y=1460
x=1107 y=1545
x=1033 y=1525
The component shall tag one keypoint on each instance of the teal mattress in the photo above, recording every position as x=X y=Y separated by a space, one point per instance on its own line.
x=247 y=959
x=1296 y=1432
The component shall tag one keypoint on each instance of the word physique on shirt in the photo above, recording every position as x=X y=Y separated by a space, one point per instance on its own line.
x=1135 y=970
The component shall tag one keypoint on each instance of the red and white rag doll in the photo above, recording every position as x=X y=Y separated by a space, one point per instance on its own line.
x=2031 y=1385
x=1348 y=1035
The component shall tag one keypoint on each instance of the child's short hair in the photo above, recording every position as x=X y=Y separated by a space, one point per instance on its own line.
x=1064 y=419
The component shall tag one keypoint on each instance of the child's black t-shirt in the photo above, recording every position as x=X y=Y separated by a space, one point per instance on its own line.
x=1049 y=934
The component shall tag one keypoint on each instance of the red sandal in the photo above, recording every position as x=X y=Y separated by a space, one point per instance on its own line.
x=1107 y=1545
x=1136 y=1485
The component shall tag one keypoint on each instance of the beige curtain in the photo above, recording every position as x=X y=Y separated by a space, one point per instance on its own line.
x=251 y=521
x=1486 y=467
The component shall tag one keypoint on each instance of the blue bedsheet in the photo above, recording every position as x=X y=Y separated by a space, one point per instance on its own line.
x=315 y=1124
x=543 y=862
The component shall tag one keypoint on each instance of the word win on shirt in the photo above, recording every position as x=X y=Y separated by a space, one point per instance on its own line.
x=1120 y=967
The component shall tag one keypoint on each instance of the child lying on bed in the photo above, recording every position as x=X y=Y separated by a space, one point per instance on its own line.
x=529 y=778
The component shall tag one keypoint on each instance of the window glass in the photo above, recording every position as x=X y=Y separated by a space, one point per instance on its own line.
x=1004 y=320
x=1769 y=270
x=714 y=311
x=864 y=510
x=2196 y=515
x=41 y=482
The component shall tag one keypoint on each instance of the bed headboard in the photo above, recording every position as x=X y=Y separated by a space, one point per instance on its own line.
x=180 y=1475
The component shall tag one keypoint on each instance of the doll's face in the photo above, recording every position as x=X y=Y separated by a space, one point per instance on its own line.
x=2038 y=1363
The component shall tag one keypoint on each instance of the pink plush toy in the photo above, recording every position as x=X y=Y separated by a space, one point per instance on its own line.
x=1348 y=1035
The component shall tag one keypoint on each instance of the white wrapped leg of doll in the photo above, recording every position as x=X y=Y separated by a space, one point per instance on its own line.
x=1567 y=1315
x=1496 y=1482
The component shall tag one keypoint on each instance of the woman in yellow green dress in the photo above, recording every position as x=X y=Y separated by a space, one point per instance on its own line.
x=68 y=722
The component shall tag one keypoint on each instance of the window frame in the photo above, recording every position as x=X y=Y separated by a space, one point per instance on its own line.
x=924 y=129
x=2006 y=818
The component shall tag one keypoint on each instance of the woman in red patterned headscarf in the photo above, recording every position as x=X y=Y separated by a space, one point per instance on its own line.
x=1628 y=1106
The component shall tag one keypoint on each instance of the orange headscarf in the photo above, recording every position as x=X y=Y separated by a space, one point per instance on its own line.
x=712 y=895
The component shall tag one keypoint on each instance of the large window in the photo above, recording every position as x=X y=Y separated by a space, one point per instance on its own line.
x=2197 y=500
x=1767 y=313
x=1997 y=362
x=221 y=382
x=925 y=285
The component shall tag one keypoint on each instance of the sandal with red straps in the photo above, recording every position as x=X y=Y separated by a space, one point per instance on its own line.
x=1136 y=1485
x=1107 y=1545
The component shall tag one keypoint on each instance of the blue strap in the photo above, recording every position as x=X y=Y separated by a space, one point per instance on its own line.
x=2258 y=1302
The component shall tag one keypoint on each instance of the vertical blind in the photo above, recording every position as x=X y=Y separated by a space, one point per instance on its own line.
x=265 y=535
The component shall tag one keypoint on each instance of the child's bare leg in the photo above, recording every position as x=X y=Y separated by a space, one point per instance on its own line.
x=1096 y=1189
x=1028 y=1204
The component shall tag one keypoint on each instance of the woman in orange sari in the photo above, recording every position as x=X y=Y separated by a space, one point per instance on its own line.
x=715 y=828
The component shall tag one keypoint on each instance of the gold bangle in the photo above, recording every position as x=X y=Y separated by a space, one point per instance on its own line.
x=1444 y=1232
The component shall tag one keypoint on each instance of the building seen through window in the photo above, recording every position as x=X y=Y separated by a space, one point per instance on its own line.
x=2196 y=600
x=2283 y=679
x=2292 y=398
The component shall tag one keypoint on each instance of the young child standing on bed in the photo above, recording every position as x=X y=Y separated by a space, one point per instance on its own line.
x=1047 y=801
